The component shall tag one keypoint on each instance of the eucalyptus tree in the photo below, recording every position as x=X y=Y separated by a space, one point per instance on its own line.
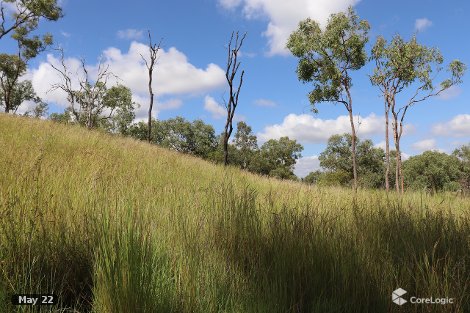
x=277 y=158
x=20 y=18
x=246 y=143
x=463 y=154
x=407 y=66
x=327 y=58
x=13 y=92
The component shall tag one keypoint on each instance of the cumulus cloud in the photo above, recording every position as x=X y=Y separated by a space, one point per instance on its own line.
x=381 y=145
x=130 y=34
x=459 y=126
x=265 y=103
x=284 y=16
x=170 y=104
x=26 y=106
x=217 y=111
x=421 y=24
x=309 y=129
x=305 y=165
x=174 y=76
x=44 y=77
x=424 y=145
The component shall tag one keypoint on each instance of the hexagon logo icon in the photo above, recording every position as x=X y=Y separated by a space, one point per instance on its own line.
x=397 y=296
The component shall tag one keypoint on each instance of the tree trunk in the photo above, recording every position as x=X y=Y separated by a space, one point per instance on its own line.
x=398 y=154
x=387 y=147
x=353 y=149
x=402 y=179
x=6 y=99
x=89 y=122
x=353 y=140
x=149 y=134
x=225 y=149
x=227 y=133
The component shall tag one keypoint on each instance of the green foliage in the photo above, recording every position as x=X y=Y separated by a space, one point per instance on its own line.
x=277 y=158
x=400 y=63
x=118 y=100
x=326 y=56
x=336 y=160
x=434 y=171
x=26 y=18
x=178 y=134
x=246 y=143
x=313 y=177
x=63 y=118
x=110 y=109
x=12 y=98
x=20 y=24
x=463 y=154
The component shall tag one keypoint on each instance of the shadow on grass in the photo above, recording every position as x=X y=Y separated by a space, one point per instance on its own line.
x=321 y=263
x=41 y=260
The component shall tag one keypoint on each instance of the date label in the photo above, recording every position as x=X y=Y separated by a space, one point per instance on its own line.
x=34 y=299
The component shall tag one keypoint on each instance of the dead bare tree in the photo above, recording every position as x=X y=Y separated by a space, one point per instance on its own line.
x=86 y=96
x=153 y=50
x=231 y=72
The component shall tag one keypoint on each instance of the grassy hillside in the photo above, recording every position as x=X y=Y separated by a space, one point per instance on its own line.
x=114 y=225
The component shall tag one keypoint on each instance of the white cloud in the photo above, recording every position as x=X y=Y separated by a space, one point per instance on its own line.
x=174 y=75
x=309 y=129
x=25 y=107
x=171 y=104
x=305 y=165
x=141 y=112
x=230 y=4
x=421 y=24
x=130 y=34
x=44 y=76
x=243 y=54
x=381 y=145
x=214 y=108
x=65 y=34
x=459 y=126
x=424 y=145
x=450 y=93
x=265 y=103
x=284 y=16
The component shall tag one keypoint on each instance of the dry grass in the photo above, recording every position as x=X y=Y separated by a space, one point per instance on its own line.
x=115 y=225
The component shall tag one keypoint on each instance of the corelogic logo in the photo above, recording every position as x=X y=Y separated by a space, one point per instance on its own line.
x=397 y=296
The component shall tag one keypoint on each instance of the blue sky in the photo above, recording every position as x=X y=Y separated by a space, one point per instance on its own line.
x=189 y=77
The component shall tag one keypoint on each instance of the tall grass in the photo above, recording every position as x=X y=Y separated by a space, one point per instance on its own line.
x=114 y=225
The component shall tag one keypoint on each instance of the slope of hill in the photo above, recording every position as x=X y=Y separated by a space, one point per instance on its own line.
x=111 y=224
